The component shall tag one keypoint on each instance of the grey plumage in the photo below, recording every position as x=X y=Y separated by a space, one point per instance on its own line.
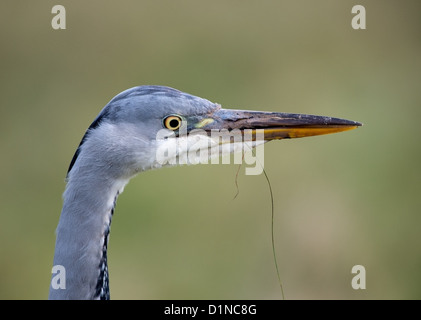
x=119 y=143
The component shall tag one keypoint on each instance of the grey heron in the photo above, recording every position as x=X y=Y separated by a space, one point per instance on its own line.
x=123 y=141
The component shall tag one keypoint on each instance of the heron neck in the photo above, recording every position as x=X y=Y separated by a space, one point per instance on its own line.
x=82 y=237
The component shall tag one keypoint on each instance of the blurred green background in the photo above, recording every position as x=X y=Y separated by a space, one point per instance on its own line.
x=341 y=200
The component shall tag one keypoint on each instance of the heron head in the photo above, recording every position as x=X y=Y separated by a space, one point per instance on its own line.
x=153 y=126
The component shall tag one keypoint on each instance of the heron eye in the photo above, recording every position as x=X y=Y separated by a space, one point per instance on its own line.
x=172 y=122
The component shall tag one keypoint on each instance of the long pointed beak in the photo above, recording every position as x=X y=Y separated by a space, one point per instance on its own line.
x=278 y=125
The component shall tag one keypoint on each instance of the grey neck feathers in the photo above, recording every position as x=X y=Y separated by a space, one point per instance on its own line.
x=82 y=236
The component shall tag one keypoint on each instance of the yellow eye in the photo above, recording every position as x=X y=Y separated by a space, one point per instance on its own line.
x=172 y=122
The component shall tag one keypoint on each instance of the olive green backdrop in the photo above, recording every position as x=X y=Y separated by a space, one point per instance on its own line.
x=347 y=199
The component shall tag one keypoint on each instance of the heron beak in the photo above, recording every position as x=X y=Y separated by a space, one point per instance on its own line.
x=276 y=125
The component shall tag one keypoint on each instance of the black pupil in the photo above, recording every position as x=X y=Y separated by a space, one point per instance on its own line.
x=174 y=123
